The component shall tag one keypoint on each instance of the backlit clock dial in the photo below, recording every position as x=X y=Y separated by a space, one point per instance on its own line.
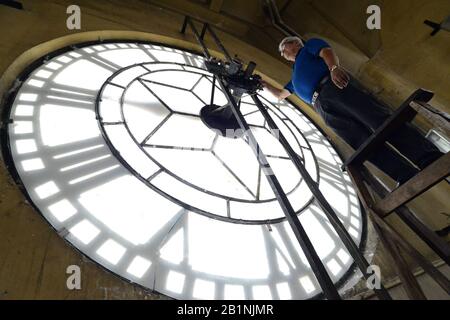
x=108 y=143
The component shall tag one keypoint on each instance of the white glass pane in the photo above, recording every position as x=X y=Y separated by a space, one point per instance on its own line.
x=259 y=211
x=189 y=195
x=142 y=111
x=32 y=164
x=168 y=56
x=110 y=104
x=204 y=90
x=180 y=79
x=83 y=74
x=162 y=66
x=286 y=173
x=247 y=260
x=22 y=127
x=133 y=221
x=84 y=231
x=239 y=157
x=126 y=76
x=139 y=266
x=130 y=151
x=287 y=133
x=183 y=131
x=111 y=251
x=201 y=169
x=24 y=110
x=173 y=248
x=125 y=57
x=300 y=138
x=176 y=99
x=198 y=70
x=62 y=125
x=62 y=210
x=300 y=196
x=268 y=143
x=248 y=108
x=256 y=119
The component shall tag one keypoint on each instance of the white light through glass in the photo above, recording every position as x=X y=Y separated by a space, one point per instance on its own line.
x=108 y=142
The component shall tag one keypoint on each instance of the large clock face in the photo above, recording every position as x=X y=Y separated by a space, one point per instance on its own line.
x=109 y=145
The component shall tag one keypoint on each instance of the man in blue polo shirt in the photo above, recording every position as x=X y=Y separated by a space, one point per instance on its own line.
x=319 y=80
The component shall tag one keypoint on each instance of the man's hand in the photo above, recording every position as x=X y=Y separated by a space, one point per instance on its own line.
x=264 y=83
x=340 y=77
x=280 y=94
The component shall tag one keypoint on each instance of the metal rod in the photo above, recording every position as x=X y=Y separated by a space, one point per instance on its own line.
x=213 y=90
x=278 y=22
x=199 y=39
x=218 y=42
x=311 y=255
x=274 y=21
x=183 y=28
x=314 y=260
x=324 y=204
x=202 y=34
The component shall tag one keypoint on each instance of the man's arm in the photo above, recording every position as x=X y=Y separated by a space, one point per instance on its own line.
x=280 y=94
x=338 y=74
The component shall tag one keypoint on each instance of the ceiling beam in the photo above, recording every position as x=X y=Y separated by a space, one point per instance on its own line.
x=216 y=5
x=223 y=22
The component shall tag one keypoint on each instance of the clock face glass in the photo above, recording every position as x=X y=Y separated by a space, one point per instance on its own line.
x=109 y=145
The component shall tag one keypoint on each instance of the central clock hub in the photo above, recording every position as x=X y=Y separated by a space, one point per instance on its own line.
x=222 y=120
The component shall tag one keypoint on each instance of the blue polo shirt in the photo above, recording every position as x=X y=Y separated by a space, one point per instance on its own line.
x=309 y=69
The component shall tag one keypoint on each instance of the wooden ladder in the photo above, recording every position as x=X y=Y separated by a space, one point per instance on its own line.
x=379 y=201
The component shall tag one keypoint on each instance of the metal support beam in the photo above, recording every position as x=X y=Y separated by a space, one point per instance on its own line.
x=277 y=21
x=218 y=42
x=313 y=258
x=185 y=21
x=324 y=204
x=200 y=37
x=202 y=34
x=188 y=22
x=315 y=262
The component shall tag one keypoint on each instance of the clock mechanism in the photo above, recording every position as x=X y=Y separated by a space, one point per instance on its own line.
x=123 y=149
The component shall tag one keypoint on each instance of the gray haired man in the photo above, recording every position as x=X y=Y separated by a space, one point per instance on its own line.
x=319 y=80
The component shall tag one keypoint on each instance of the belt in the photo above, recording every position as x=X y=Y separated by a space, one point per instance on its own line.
x=318 y=89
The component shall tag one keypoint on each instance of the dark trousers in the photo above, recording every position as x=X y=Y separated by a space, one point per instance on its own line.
x=354 y=115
